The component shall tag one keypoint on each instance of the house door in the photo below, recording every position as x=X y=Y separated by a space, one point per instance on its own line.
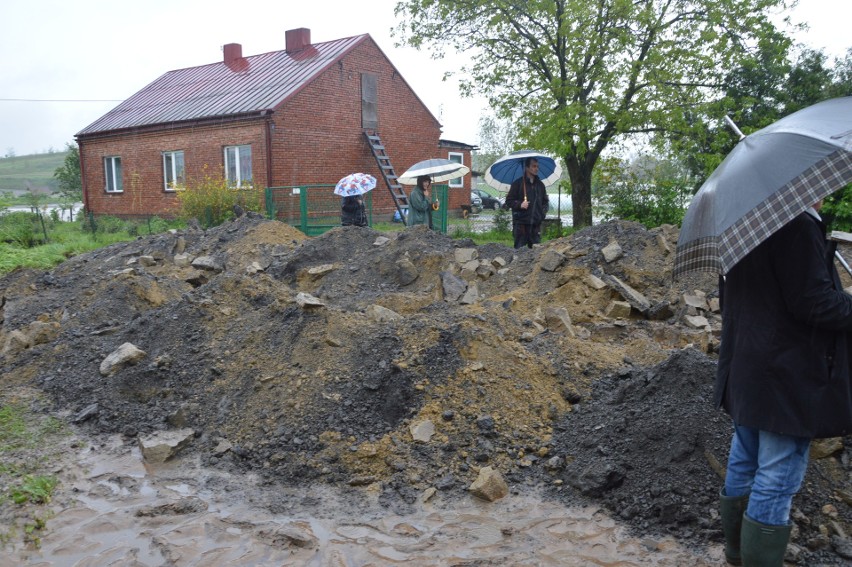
x=369 y=101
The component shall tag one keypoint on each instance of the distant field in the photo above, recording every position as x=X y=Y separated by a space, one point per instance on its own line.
x=21 y=173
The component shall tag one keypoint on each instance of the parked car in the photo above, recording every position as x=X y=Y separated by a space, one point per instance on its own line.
x=488 y=201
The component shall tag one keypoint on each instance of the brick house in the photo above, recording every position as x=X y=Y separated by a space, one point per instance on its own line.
x=283 y=118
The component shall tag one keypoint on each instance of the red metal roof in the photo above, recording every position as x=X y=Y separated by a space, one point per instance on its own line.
x=254 y=84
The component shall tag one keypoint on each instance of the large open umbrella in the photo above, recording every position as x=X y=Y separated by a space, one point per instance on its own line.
x=438 y=169
x=355 y=184
x=769 y=178
x=505 y=170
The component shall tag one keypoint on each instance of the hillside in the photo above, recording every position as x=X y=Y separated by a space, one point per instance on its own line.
x=35 y=171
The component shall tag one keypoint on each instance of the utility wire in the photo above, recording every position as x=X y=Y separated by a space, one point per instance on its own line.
x=57 y=100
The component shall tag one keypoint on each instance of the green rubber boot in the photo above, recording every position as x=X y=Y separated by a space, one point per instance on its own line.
x=731 y=509
x=762 y=545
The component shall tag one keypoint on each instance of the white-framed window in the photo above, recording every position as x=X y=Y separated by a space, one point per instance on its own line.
x=238 y=165
x=458 y=158
x=174 y=173
x=112 y=172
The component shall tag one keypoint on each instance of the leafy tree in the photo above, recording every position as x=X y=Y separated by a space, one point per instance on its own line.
x=577 y=75
x=70 y=182
x=496 y=139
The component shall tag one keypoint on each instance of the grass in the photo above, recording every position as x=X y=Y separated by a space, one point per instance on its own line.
x=25 y=438
x=67 y=239
x=35 y=171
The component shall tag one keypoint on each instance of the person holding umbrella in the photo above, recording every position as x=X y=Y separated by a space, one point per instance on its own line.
x=352 y=189
x=784 y=358
x=528 y=200
x=421 y=203
x=353 y=212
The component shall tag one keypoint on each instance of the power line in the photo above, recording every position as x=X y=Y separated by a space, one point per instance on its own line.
x=58 y=100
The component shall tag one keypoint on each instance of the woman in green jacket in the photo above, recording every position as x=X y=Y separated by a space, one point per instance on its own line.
x=420 y=202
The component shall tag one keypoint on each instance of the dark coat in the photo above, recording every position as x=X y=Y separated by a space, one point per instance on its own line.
x=786 y=323
x=353 y=212
x=536 y=194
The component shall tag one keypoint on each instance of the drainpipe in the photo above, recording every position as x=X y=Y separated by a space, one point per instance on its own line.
x=83 y=177
x=270 y=125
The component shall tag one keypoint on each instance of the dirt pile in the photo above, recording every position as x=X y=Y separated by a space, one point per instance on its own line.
x=408 y=361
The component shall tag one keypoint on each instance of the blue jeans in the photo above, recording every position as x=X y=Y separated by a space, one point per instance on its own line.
x=771 y=468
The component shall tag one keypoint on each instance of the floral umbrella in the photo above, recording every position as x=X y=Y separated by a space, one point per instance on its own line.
x=355 y=184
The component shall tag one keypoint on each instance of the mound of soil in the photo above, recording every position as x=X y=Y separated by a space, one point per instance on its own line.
x=579 y=366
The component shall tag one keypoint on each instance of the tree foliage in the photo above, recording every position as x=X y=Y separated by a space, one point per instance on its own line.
x=70 y=180
x=576 y=75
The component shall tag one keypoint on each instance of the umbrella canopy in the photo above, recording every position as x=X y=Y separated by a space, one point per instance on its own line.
x=438 y=169
x=355 y=184
x=769 y=178
x=505 y=170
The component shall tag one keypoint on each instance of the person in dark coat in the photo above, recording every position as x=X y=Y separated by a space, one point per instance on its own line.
x=783 y=377
x=353 y=212
x=527 y=198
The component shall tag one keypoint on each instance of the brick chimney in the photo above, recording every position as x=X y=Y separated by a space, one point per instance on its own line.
x=297 y=39
x=233 y=53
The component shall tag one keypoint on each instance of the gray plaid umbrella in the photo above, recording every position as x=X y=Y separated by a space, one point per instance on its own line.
x=769 y=178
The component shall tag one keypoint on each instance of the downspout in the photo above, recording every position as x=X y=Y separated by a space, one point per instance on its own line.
x=83 y=178
x=269 y=126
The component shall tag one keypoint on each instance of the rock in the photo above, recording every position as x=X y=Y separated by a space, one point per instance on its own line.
x=612 y=252
x=306 y=300
x=422 y=431
x=147 y=260
x=316 y=272
x=822 y=448
x=499 y=262
x=660 y=311
x=636 y=299
x=124 y=355
x=381 y=314
x=471 y=294
x=406 y=271
x=254 y=268
x=595 y=282
x=696 y=321
x=489 y=485
x=558 y=320
x=428 y=494
x=86 y=413
x=597 y=478
x=381 y=241
x=197 y=279
x=16 y=341
x=551 y=261
x=180 y=246
x=163 y=445
x=452 y=286
x=223 y=447
x=713 y=304
x=182 y=260
x=207 y=263
x=464 y=255
x=693 y=300
x=41 y=332
x=618 y=310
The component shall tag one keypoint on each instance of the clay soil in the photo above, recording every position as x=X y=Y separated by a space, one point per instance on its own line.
x=607 y=411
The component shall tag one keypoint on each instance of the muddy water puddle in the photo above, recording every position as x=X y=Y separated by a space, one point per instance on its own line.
x=116 y=511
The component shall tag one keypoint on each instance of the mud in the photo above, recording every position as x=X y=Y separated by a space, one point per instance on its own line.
x=599 y=420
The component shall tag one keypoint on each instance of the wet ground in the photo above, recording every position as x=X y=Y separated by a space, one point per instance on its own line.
x=114 y=510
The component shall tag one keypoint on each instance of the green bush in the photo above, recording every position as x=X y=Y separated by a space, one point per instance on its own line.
x=651 y=202
x=837 y=210
x=211 y=201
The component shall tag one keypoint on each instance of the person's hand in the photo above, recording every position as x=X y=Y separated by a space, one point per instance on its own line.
x=525 y=205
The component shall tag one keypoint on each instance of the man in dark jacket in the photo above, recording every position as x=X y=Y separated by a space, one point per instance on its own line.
x=527 y=198
x=783 y=377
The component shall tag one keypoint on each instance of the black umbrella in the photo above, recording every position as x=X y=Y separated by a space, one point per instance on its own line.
x=770 y=177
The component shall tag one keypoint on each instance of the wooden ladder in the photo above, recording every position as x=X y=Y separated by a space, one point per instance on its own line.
x=400 y=199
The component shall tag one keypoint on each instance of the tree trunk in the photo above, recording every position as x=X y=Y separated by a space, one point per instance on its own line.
x=581 y=192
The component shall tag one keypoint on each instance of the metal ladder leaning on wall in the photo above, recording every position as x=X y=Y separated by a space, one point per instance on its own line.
x=391 y=179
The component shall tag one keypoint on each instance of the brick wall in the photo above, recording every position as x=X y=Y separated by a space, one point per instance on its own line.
x=316 y=138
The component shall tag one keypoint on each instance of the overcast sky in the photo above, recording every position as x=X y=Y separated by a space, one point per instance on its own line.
x=66 y=63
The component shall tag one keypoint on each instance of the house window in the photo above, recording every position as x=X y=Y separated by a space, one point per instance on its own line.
x=238 y=165
x=112 y=171
x=458 y=158
x=174 y=173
